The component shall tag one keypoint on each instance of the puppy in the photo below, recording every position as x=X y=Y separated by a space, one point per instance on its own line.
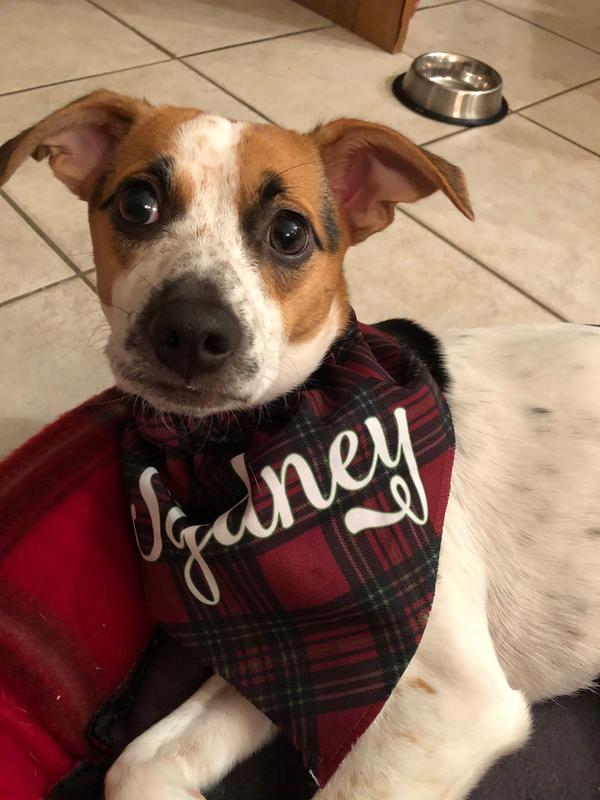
x=249 y=224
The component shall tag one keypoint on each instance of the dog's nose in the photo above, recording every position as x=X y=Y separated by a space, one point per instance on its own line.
x=193 y=338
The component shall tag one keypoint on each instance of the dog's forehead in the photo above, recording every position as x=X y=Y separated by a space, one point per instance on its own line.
x=206 y=146
x=234 y=160
x=266 y=151
x=220 y=157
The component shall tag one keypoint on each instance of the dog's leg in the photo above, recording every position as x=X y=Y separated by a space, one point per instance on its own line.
x=191 y=749
x=451 y=715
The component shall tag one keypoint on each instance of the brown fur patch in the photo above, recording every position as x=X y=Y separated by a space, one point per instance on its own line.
x=305 y=295
x=109 y=257
x=419 y=683
x=409 y=737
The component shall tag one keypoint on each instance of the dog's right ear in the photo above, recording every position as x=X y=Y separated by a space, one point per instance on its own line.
x=371 y=167
x=79 y=139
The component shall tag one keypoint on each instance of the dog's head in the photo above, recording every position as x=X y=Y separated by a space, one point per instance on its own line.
x=219 y=245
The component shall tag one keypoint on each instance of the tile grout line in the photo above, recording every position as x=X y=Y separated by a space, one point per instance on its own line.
x=445 y=136
x=557 y=94
x=78 y=273
x=560 y=135
x=223 y=89
x=260 y=41
x=39 y=290
x=143 y=36
x=463 y=129
x=85 y=77
x=438 y=5
x=486 y=267
x=541 y=27
x=44 y=236
x=173 y=56
x=517 y=112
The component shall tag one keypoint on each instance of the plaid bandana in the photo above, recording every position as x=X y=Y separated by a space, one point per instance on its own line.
x=295 y=549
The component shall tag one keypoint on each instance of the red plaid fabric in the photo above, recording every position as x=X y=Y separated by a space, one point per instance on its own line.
x=296 y=550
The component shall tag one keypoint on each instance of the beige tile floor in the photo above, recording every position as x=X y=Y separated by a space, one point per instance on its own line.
x=532 y=255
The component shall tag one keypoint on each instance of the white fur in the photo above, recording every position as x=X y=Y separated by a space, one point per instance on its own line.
x=515 y=616
x=169 y=749
x=299 y=361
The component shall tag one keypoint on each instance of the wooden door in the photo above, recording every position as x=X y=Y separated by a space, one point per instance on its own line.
x=383 y=22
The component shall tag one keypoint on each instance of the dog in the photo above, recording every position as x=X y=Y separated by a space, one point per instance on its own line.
x=241 y=229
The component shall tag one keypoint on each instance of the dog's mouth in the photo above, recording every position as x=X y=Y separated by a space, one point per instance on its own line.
x=198 y=395
x=176 y=397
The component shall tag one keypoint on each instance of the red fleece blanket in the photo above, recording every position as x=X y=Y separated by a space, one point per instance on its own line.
x=72 y=618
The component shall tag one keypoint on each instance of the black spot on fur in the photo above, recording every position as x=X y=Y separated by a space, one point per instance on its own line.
x=424 y=344
x=519 y=487
x=330 y=225
x=271 y=187
x=573 y=633
x=593 y=532
x=539 y=410
x=98 y=190
x=163 y=169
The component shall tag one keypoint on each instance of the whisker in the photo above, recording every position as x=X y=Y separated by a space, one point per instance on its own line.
x=297 y=166
x=118 y=308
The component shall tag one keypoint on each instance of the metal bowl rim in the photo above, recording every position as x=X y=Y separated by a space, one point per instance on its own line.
x=414 y=69
x=407 y=101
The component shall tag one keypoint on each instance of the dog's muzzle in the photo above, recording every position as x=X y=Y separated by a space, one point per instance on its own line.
x=190 y=331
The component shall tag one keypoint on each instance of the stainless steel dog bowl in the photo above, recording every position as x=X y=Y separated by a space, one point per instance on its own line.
x=452 y=88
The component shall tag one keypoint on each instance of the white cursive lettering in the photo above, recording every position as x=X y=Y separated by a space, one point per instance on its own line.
x=341 y=456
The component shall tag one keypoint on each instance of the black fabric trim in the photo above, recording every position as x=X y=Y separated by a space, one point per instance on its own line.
x=423 y=344
x=162 y=680
x=84 y=782
x=275 y=772
x=121 y=703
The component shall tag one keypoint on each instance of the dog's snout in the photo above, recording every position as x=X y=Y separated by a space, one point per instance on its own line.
x=193 y=338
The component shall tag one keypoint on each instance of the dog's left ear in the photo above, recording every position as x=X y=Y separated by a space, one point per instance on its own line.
x=79 y=139
x=370 y=168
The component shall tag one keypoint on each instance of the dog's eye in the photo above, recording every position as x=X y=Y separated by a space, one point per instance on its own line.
x=138 y=204
x=288 y=234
